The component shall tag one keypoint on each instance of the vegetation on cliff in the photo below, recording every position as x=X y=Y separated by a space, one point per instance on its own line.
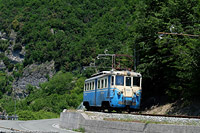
x=53 y=96
x=72 y=33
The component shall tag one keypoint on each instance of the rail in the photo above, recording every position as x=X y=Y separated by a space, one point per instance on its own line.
x=158 y=115
x=176 y=116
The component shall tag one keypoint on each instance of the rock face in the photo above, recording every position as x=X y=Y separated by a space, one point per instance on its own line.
x=15 y=55
x=3 y=36
x=2 y=65
x=34 y=75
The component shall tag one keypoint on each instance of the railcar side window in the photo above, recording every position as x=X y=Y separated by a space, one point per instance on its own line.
x=128 y=81
x=106 y=83
x=120 y=80
x=136 y=81
x=102 y=83
x=98 y=84
x=112 y=80
x=85 y=87
x=93 y=85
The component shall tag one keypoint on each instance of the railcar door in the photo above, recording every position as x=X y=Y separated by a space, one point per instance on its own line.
x=108 y=92
x=128 y=91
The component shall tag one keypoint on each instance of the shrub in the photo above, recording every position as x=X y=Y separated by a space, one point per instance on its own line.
x=30 y=115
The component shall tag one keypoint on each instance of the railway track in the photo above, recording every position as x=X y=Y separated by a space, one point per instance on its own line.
x=146 y=118
x=175 y=116
x=157 y=115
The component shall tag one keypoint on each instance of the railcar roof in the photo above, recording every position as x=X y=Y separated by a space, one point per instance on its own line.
x=114 y=72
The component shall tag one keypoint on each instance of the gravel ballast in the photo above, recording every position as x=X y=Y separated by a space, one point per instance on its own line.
x=141 y=118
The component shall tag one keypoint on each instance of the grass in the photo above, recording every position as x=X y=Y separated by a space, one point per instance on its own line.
x=30 y=115
x=81 y=129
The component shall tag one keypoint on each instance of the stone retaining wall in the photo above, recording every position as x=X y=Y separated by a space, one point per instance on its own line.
x=76 y=120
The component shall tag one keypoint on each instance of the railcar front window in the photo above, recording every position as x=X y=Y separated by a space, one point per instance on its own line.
x=120 y=80
x=112 y=80
x=128 y=81
x=136 y=81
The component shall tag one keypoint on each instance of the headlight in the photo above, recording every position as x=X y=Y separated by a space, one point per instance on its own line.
x=138 y=93
x=119 y=93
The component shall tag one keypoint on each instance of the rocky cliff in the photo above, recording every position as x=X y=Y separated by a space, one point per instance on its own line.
x=34 y=75
x=14 y=53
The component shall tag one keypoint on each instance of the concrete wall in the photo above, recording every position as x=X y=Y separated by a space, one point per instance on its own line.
x=76 y=120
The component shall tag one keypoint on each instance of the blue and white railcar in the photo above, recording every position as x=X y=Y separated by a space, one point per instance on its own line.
x=113 y=90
